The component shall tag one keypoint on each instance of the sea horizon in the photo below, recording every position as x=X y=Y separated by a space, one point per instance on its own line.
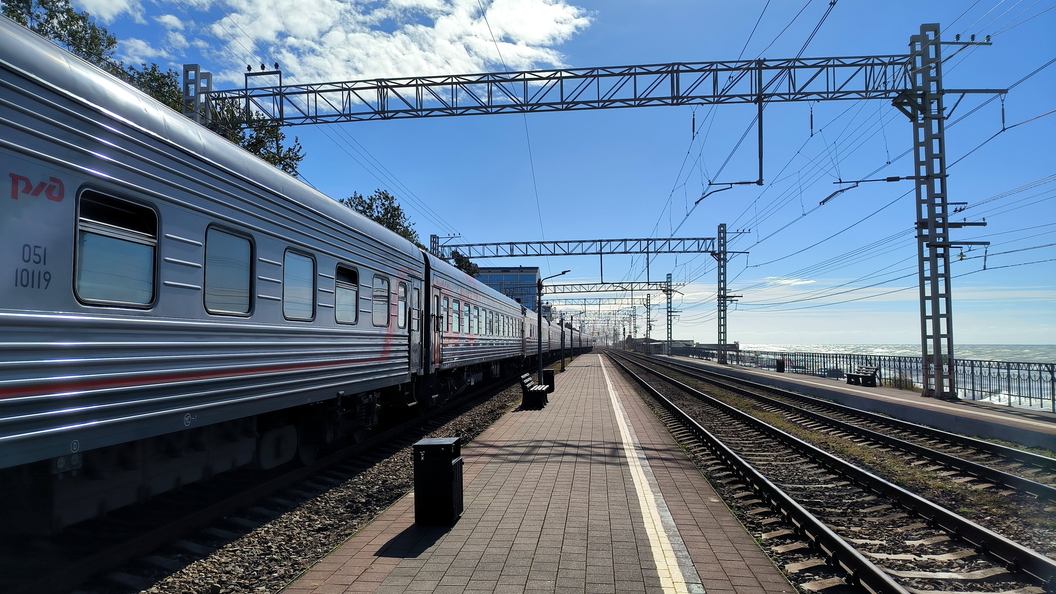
x=1016 y=353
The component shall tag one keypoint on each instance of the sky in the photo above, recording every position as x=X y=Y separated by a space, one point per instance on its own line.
x=840 y=273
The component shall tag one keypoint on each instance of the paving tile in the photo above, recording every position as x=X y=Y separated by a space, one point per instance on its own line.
x=550 y=506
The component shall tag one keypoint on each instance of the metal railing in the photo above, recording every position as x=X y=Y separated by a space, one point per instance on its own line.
x=1021 y=385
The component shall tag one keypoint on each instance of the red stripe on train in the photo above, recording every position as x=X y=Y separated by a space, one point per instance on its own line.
x=78 y=385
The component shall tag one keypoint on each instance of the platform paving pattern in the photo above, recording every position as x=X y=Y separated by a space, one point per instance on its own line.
x=589 y=494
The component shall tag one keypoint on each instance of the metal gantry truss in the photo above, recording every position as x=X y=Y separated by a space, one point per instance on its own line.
x=567 y=89
x=599 y=247
x=599 y=301
x=584 y=247
x=669 y=292
x=922 y=103
x=722 y=258
x=913 y=82
x=578 y=247
x=640 y=286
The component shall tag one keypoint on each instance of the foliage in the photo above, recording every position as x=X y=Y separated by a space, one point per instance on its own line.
x=382 y=208
x=58 y=21
x=262 y=138
x=464 y=264
x=163 y=86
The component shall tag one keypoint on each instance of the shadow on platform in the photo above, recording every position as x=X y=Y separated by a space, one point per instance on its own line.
x=412 y=542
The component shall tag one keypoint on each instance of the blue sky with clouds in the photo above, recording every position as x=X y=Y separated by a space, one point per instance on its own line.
x=844 y=272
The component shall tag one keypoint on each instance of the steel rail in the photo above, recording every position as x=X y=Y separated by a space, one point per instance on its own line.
x=1015 y=556
x=1043 y=462
x=1043 y=491
x=838 y=551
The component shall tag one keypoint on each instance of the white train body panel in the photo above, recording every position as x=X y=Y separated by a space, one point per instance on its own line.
x=175 y=307
x=82 y=367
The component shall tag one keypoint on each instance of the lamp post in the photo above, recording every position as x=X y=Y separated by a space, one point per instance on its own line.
x=539 y=321
x=562 y=343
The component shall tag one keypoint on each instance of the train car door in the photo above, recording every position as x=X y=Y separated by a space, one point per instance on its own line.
x=436 y=326
x=415 y=330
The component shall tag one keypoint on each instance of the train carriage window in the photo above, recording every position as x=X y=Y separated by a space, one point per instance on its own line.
x=228 y=273
x=491 y=323
x=381 y=300
x=466 y=328
x=456 y=317
x=415 y=308
x=401 y=305
x=447 y=313
x=346 y=296
x=476 y=321
x=298 y=287
x=116 y=251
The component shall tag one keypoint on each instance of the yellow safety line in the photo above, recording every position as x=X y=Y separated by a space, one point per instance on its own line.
x=671 y=576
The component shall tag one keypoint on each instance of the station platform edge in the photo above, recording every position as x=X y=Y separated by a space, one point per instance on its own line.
x=589 y=494
x=1032 y=428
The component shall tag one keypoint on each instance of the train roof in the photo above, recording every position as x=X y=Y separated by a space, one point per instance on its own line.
x=34 y=57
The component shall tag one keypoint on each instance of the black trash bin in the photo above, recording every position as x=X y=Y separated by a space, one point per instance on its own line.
x=437 y=481
x=548 y=379
x=780 y=365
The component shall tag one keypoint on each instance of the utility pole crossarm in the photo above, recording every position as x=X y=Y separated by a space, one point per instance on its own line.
x=588 y=247
x=694 y=83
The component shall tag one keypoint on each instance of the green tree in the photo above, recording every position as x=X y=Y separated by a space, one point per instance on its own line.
x=262 y=138
x=461 y=262
x=163 y=86
x=58 y=21
x=382 y=208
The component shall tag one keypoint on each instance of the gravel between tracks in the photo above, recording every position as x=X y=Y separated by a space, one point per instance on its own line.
x=276 y=553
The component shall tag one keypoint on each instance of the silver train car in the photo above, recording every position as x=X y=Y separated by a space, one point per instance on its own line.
x=177 y=308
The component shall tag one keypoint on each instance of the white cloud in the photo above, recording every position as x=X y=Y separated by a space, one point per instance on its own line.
x=791 y=282
x=170 y=22
x=136 y=51
x=107 y=10
x=320 y=40
x=176 y=40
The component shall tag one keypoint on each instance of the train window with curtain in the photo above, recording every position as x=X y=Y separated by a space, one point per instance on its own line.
x=401 y=305
x=346 y=295
x=117 y=244
x=447 y=313
x=477 y=322
x=228 y=273
x=466 y=328
x=380 y=299
x=491 y=322
x=298 y=287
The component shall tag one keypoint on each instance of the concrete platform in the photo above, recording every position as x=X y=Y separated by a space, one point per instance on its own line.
x=967 y=417
x=589 y=494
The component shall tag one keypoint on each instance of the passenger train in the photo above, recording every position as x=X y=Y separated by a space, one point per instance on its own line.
x=177 y=308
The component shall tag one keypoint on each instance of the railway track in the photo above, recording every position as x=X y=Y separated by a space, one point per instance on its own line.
x=828 y=522
x=982 y=480
x=983 y=461
x=136 y=548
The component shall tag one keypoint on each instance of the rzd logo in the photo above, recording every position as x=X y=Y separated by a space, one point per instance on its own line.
x=54 y=190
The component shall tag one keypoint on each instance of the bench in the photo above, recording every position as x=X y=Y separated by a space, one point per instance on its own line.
x=863 y=376
x=533 y=395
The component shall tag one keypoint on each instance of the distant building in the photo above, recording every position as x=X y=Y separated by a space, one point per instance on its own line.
x=516 y=282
